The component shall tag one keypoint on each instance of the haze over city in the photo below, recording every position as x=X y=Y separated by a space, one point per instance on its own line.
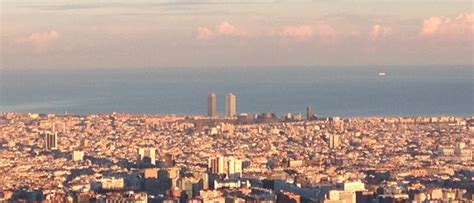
x=237 y=101
x=64 y=34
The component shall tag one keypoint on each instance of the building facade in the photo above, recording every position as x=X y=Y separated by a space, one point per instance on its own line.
x=231 y=105
x=211 y=105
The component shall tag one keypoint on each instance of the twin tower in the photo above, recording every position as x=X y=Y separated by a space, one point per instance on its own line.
x=230 y=109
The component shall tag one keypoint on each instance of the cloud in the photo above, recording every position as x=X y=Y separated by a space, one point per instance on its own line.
x=40 y=41
x=305 y=32
x=39 y=38
x=431 y=26
x=301 y=32
x=204 y=33
x=460 y=27
x=379 y=31
x=223 y=29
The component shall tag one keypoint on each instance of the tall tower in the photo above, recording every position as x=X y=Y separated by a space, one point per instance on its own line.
x=334 y=141
x=211 y=105
x=309 y=113
x=51 y=138
x=231 y=105
x=50 y=141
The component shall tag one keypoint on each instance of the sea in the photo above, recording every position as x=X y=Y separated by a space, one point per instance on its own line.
x=347 y=91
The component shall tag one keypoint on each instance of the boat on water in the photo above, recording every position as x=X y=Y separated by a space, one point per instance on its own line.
x=382 y=74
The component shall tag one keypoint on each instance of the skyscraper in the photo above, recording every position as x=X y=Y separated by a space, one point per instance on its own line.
x=50 y=141
x=211 y=105
x=231 y=105
x=309 y=113
x=334 y=141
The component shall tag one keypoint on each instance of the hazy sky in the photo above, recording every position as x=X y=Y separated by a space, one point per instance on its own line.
x=200 y=33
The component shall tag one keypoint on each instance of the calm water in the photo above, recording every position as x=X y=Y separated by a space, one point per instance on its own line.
x=343 y=91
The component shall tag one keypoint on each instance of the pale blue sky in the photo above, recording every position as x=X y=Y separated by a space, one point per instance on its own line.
x=127 y=34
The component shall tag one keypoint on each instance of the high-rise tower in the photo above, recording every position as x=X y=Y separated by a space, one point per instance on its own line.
x=334 y=141
x=309 y=113
x=231 y=105
x=50 y=140
x=211 y=105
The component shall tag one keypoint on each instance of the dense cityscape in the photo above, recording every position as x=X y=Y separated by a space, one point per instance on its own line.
x=235 y=157
x=236 y=101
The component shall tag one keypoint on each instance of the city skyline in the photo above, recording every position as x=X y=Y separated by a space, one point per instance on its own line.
x=230 y=105
x=237 y=101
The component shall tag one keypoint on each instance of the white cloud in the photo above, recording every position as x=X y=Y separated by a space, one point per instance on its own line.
x=379 y=31
x=223 y=29
x=204 y=33
x=305 y=32
x=460 y=27
x=40 y=41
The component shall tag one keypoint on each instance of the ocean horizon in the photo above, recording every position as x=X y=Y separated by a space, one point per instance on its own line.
x=348 y=91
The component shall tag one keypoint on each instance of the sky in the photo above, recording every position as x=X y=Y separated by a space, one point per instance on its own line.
x=75 y=34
